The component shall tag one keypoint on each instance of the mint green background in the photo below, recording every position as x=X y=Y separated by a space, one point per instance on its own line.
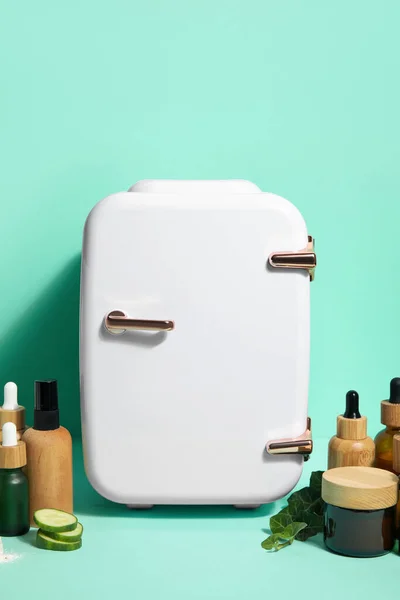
x=300 y=97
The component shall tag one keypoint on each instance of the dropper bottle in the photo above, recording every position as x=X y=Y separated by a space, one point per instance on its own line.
x=14 y=496
x=390 y=416
x=11 y=412
x=396 y=470
x=351 y=447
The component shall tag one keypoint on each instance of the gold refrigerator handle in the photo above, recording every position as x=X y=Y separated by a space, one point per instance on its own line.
x=304 y=259
x=117 y=321
x=302 y=444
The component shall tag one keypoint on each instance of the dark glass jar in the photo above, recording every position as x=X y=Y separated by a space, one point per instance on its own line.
x=360 y=533
x=14 y=502
x=360 y=510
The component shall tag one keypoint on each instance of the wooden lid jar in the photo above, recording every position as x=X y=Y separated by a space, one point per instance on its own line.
x=360 y=510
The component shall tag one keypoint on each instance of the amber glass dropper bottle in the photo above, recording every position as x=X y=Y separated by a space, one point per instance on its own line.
x=396 y=469
x=390 y=416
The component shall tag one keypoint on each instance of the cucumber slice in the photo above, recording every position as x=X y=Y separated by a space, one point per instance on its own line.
x=67 y=536
x=50 y=519
x=45 y=542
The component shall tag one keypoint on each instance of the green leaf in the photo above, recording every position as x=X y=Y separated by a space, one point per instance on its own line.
x=318 y=507
x=277 y=541
x=281 y=545
x=292 y=530
x=305 y=500
x=307 y=505
x=315 y=525
x=316 y=481
x=271 y=542
x=279 y=522
x=301 y=519
x=300 y=501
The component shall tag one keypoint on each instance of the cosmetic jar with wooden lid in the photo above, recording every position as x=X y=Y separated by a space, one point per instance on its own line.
x=360 y=510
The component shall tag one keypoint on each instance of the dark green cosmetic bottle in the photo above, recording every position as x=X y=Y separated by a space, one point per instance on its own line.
x=14 y=496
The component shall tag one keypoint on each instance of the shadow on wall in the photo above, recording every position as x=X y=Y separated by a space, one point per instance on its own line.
x=45 y=345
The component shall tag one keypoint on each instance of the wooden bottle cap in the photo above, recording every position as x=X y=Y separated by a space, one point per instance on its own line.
x=360 y=488
x=16 y=416
x=351 y=429
x=390 y=414
x=396 y=453
x=13 y=457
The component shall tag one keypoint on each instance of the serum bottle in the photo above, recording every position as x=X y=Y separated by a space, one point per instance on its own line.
x=390 y=416
x=396 y=470
x=351 y=447
x=49 y=453
x=14 y=496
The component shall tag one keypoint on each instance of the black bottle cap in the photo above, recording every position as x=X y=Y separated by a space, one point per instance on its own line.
x=394 y=397
x=46 y=413
x=352 y=411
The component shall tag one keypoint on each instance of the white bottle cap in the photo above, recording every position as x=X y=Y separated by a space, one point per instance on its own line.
x=9 y=434
x=10 y=396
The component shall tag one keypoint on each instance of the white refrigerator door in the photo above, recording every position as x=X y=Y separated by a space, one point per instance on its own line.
x=182 y=417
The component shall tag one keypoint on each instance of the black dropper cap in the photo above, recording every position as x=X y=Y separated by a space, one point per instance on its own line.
x=352 y=411
x=46 y=413
x=394 y=397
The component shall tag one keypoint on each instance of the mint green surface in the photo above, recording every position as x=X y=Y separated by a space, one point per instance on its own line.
x=301 y=98
x=188 y=553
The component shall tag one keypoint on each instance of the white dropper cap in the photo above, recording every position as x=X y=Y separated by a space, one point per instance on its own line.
x=9 y=435
x=10 y=396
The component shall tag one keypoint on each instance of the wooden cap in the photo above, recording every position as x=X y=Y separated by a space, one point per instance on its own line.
x=16 y=416
x=13 y=457
x=360 y=488
x=351 y=429
x=396 y=453
x=390 y=414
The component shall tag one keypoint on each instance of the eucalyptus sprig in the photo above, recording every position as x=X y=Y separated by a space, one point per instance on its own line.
x=301 y=519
